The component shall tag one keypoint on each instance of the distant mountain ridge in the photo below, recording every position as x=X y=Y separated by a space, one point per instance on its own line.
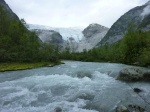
x=132 y=18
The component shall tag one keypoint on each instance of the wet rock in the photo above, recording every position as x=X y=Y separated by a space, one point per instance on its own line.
x=130 y=74
x=136 y=108
x=122 y=108
x=83 y=74
x=137 y=90
x=7 y=102
x=86 y=96
x=146 y=76
x=58 y=109
x=134 y=74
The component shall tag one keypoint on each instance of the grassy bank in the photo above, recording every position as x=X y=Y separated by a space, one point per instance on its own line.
x=24 y=66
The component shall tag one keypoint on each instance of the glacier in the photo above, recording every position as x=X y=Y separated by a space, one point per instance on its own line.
x=71 y=32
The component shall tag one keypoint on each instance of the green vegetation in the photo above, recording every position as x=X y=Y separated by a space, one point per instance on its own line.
x=134 y=48
x=17 y=44
x=20 y=48
x=21 y=66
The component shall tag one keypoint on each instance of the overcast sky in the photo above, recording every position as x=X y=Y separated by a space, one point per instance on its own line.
x=72 y=13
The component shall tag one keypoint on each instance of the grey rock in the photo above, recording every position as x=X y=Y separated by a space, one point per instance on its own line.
x=130 y=74
x=82 y=74
x=134 y=74
x=93 y=29
x=82 y=95
x=92 y=35
x=86 y=96
x=72 y=44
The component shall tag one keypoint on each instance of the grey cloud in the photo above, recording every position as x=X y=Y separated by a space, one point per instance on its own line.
x=69 y=13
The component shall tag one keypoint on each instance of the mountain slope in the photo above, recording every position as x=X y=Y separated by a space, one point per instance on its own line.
x=16 y=42
x=120 y=27
x=49 y=36
x=92 y=35
x=73 y=38
x=5 y=7
x=145 y=25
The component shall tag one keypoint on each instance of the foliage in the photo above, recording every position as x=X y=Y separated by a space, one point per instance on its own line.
x=133 y=48
x=21 y=66
x=17 y=44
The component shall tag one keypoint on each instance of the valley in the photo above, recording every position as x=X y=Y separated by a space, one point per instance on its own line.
x=74 y=69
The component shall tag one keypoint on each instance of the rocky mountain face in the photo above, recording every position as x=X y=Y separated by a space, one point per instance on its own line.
x=8 y=10
x=145 y=25
x=50 y=36
x=72 y=44
x=92 y=35
x=133 y=18
x=74 y=39
x=64 y=37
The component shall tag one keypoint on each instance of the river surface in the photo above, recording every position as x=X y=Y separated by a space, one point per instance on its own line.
x=48 y=89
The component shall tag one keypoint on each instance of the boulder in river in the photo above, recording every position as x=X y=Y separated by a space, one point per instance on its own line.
x=82 y=74
x=136 y=108
x=122 y=108
x=146 y=76
x=58 y=109
x=137 y=90
x=134 y=74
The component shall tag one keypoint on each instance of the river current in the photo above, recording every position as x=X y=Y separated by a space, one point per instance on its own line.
x=71 y=87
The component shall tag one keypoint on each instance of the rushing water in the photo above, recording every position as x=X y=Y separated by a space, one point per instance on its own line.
x=49 y=88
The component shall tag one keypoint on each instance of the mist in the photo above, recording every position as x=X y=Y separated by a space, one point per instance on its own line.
x=146 y=11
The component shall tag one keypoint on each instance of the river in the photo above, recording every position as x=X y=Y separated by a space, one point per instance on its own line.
x=49 y=88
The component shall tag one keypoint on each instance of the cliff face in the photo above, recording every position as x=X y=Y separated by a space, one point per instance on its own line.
x=49 y=36
x=93 y=29
x=132 y=18
x=92 y=35
x=11 y=14
x=145 y=25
